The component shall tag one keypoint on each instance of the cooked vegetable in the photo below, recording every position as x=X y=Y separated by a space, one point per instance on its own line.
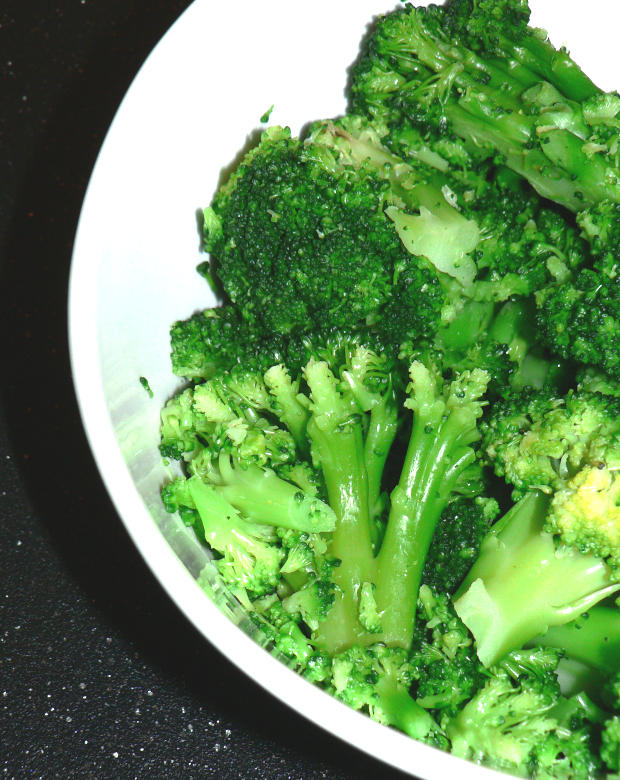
x=419 y=336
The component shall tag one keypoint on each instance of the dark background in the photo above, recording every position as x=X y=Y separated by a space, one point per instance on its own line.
x=100 y=675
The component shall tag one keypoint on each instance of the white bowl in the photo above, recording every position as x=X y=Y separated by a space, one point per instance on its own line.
x=186 y=116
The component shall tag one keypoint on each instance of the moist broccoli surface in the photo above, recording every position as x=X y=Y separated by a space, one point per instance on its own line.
x=306 y=236
x=399 y=436
x=556 y=550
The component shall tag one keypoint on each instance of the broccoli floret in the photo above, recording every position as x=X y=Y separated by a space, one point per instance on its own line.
x=217 y=339
x=540 y=441
x=446 y=670
x=461 y=528
x=524 y=581
x=580 y=319
x=510 y=96
x=572 y=749
x=311 y=603
x=511 y=714
x=610 y=749
x=179 y=426
x=285 y=231
x=250 y=557
x=440 y=463
x=287 y=639
x=488 y=240
x=591 y=380
x=377 y=679
x=555 y=553
x=487 y=24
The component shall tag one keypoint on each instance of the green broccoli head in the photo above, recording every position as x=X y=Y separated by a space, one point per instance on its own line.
x=285 y=231
x=540 y=441
x=511 y=714
x=180 y=427
x=527 y=242
x=461 y=528
x=610 y=750
x=482 y=25
x=446 y=670
x=580 y=319
x=215 y=340
x=568 y=447
x=376 y=679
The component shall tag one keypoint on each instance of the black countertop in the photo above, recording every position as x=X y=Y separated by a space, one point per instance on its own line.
x=100 y=675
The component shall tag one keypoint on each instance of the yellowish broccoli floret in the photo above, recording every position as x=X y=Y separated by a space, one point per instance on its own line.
x=587 y=514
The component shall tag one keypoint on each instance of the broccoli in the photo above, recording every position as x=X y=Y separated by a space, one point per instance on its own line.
x=243 y=430
x=580 y=319
x=462 y=526
x=503 y=341
x=470 y=70
x=594 y=640
x=216 y=340
x=250 y=559
x=493 y=236
x=556 y=551
x=417 y=335
x=285 y=230
x=519 y=722
x=515 y=98
x=460 y=241
x=378 y=678
x=440 y=462
x=445 y=668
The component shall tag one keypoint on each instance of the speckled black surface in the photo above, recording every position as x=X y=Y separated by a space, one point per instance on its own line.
x=100 y=676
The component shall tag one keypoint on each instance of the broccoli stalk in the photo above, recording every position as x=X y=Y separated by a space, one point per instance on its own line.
x=523 y=582
x=547 y=121
x=593 y=639
x=439 y=462
x=438 y=455
x=250 y=559
x=263 y=497
x=336 y=435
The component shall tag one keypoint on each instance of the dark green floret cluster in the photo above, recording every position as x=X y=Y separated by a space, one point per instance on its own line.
x=399 y=432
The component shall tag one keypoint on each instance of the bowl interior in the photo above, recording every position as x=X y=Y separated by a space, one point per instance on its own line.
x=194 y=105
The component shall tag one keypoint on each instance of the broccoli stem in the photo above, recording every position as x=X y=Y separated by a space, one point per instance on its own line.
x=401 y=710
x=427 y=479
x=594 y=639
x=529 y=161
x=382 y=428
x=539 y=58
x=266 y=498
x=511 y=592
x=338 y=445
